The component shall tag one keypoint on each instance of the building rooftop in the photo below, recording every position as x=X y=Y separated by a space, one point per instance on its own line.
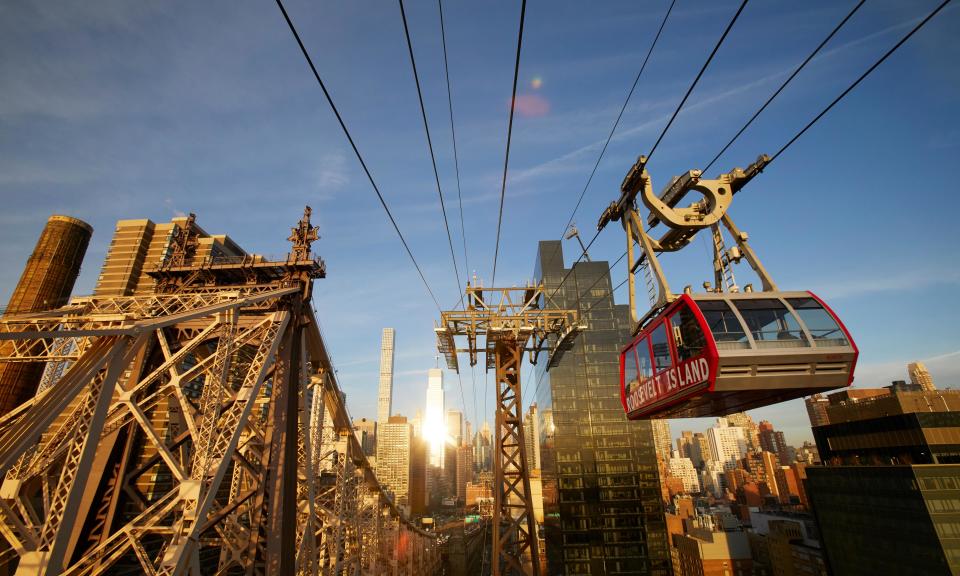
x=851 y=409
x=720 y=545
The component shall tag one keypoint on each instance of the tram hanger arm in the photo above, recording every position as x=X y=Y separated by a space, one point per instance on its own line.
x=637 y=178
x=740 y=178
x=632 y=184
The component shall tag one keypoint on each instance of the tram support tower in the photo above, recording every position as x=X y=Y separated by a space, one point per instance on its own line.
x=512 y=322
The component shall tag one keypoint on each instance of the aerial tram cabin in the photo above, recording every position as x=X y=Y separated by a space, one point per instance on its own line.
x=724 y=350
x=718 y=353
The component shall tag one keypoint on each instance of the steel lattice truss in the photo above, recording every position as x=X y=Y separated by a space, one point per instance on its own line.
x=514 y=314
x=201 y=432
x=511 y=321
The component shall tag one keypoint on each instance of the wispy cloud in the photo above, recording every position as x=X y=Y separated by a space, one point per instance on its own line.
x=168 y=202
x=567 y=163
x=946 y=140
x=332 y=172
x=899 y=281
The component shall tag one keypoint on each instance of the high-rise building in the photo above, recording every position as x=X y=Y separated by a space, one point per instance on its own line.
x=434 y=420
x=685 y=443
x=531 y=437
x=751 y=432
x=455 y=427
x=800 y=473
x=788 y=485
x=139 y=247
x=464 y=471
x=727 y=443
x=599 y=470
x=768 y=474
x=385 y=395
x=712 y=478
x=482 y=448
x=706 y=551
x=807 y=453
x=682 y=468
x=700 y=451
x=46 y=283
x=393 y=457
x=661 y=437
x=449 y=484
x=773 y=441
x=886 y=497
x=418 y=476
x=817 y=409
x=786 y=545
x=365 y=431
x=536 y=499
x=757 y=471
x=920 y=376
x=417 y=423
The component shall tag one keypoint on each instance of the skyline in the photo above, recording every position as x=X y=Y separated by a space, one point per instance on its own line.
x=795 y=426
x=150 y=111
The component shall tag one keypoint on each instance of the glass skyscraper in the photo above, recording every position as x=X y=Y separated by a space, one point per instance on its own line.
x=603 y=513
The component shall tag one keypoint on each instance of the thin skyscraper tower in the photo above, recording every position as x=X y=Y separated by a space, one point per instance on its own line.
x=385 y=400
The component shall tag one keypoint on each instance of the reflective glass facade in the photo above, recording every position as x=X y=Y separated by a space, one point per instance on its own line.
x=888 y=519
x=603 y=513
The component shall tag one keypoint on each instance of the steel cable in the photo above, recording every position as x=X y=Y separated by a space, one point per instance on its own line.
x=356 y=151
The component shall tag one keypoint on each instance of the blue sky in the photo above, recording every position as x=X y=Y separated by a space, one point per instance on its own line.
x=114 y=110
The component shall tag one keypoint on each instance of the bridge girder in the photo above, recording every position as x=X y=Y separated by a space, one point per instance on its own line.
x=191 y=433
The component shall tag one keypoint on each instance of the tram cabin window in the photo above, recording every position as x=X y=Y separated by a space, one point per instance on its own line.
x=687 y=334
x=643 y=357
x=723 y=323
x=821 y=325
x=630 y=368
x=661 y=348
x=772 y=325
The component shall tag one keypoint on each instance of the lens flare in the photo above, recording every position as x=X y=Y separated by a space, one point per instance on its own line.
x=532 y=105
x=536 y=83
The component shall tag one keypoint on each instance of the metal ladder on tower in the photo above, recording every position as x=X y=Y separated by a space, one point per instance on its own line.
x=651 y=284
x=721 y=263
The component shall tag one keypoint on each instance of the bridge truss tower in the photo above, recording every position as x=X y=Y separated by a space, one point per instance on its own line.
x=199 y=429
x=511 y=321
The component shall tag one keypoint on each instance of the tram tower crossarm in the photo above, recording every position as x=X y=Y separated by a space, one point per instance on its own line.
x=505 y=314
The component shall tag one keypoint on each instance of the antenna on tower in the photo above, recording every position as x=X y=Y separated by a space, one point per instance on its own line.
x=572 y=232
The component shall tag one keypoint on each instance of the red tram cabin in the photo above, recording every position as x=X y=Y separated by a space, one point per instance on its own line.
x=717 y=353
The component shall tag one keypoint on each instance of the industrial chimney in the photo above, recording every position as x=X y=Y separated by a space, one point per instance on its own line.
x=46 y=283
